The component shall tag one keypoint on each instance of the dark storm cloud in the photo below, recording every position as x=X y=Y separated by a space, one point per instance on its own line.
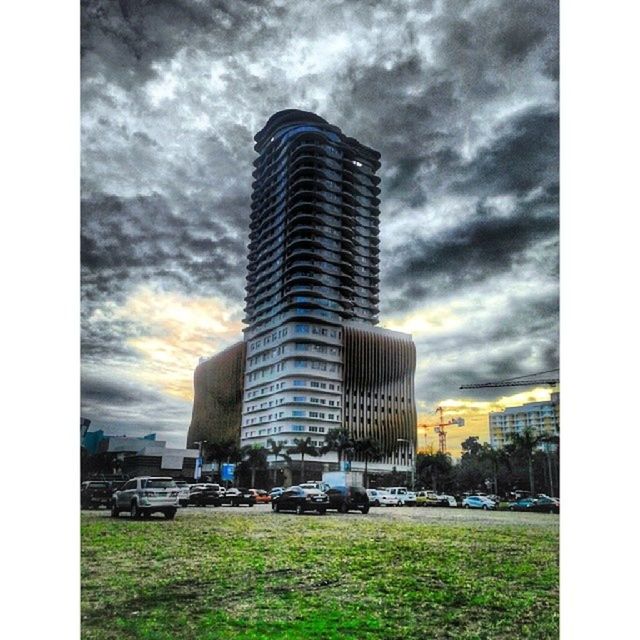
x=521 y=159
x=124 y=39
x=467 y=254
x=516 y=340
x=460 y=98
x=125 y=407
x=142 y=238
x=520 y=163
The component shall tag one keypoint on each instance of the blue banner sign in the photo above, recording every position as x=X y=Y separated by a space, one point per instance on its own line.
x=228 y=471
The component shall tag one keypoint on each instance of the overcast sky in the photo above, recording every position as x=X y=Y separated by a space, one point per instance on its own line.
x=461 y=100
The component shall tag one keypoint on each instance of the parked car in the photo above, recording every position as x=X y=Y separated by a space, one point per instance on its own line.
x=405 y=497
x=203 y=495
x=543 y=504
x=262 y=497
x=237 y=496
x=447 y=501
x=478 y=502
x=320 y=486
x=300 y=500
x=375 y=498
x=146 y=495
x=345 y=499
x=95 y=493
x=275 y=492
x=387 y=500
x=183 y=496
x=427 y=499
x=523 y=504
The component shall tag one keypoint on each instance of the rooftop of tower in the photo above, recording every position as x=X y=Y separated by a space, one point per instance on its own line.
x=288 y=117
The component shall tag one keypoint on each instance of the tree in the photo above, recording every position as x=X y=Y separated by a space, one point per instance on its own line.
x=432 y=467
x=276 y=449
x=218 y=452
x=495 y=458
x=254 y=458
x=547 y=440
x=303 y=447
x=471 y=446
x=369 y=449
x=525 y=444
x=338 y=440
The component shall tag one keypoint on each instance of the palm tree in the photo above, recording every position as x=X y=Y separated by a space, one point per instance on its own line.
x=217 y=451
x=495 y=457
x=304 y=448
x=525 y=443
x=436 y=465
x=276 y=449
x=338 y=440
x=369 y=449
x=552 y=439
x=254 y=458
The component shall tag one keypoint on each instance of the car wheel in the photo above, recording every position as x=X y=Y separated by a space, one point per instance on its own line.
x=466 y=506
x=299 y=509
x=377 y=503
x=170 y=514
x=365 y=510
x=551 y=511
x=251 y=504
x=343 y=508
x=277 y=507
x=485 y=507
x=322 y=512
x=135 y=512
x=273 y=506
x=115 y=512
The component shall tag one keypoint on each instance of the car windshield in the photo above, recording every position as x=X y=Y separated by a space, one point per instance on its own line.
x=159 y=483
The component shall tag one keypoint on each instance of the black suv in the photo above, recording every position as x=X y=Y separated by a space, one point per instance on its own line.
x=205 y=494
x=348 y=499
x=94 y=493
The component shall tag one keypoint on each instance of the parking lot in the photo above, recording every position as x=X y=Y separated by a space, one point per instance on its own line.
x=436 y=515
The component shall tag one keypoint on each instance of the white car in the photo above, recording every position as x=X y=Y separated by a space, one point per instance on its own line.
x=405 y=497
x=374 y=497
x=183 y=496
x=387 y=500
x=320 y=486
x=145 y=495
x=449 y=499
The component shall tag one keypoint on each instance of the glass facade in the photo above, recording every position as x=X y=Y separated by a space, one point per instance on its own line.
x=312 y=264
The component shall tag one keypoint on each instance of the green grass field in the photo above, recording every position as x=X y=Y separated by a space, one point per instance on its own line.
x=219 y=576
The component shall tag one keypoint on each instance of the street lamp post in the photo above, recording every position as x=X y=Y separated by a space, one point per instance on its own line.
x=200 y=444
x=413 y=461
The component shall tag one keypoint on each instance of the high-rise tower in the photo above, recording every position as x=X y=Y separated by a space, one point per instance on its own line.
x=313 y=358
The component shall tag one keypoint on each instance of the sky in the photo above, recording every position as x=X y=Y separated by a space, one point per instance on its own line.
x=459 y=97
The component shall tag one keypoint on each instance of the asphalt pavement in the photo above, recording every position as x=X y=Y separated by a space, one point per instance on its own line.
x=443 y=515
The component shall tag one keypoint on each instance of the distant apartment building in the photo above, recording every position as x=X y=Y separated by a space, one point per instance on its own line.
x=312 y=358
x=541 y=418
